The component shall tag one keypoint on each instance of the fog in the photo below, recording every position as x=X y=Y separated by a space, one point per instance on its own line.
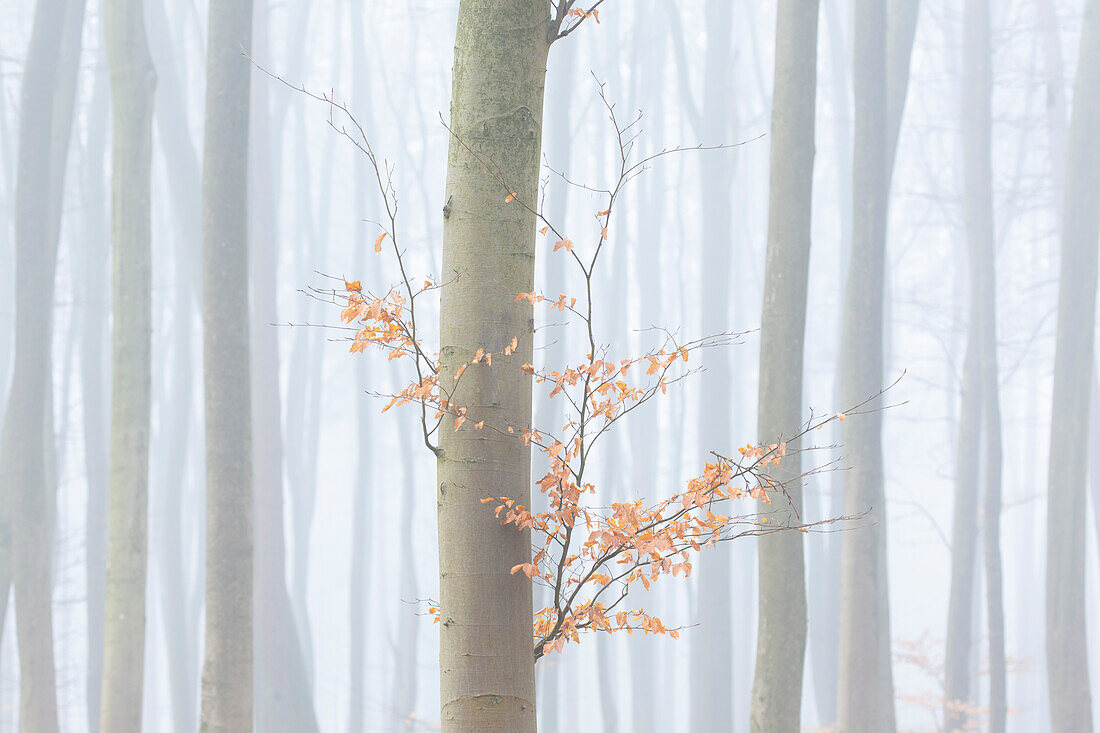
x=887 y=257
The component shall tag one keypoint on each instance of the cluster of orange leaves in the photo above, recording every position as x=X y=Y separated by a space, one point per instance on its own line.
x=588 y=556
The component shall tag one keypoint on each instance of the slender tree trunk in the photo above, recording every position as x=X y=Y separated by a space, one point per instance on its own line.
x=823 y=556
x=487 y=671
x=713 y=656
x=960 y=613
x=132 y=84
x=177 y=584
x=977 y=92
x=403 y=690
x=1067 y=658
x=26 y=447
x=227 y=668
x=94 y=387
x=781 y=637
x=882 y=44
x=866 y=697
x=283 y=696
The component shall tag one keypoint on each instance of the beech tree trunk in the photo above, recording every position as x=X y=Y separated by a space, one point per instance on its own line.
x=487 y=665
x=1067 y=651
x=713 y=653
x=93 y=292
x=180 y=578
x=132 y=82
x=26 y=444
x=781 y=636
x=227 y=668
x=977 y=85
x=283 y=694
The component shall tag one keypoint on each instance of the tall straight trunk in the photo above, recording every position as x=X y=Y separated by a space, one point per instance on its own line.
x=866 y=691
x=975 y=97
x=227 y=668
x=712 y=649
x=95 y=390
x=960 y=610
x=132 y=84
x=403 y=689
x=282 y=692
x=178 y=583
x=823 y=556
x=26 y=445
x=1067 y=651
x=781 y=637
x=882 y=46
x=977 y=93
x=487 y=665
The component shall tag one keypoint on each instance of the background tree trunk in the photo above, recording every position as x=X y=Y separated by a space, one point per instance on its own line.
x=227 y=668
x=713 y=653
x=487 y=674
x=781 y=638
x=283 y=695
x=26 y=448
x=1067 y=652
x=95 y=388
x=132 y=82
x=866 y=697
x=977 y=88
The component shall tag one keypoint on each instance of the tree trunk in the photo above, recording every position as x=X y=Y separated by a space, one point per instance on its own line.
x=713 y=656
x=180 y=580
x=977 y=92
x=1067 y=658
x=866 y=698
x=94 y=388
x=823 y=550
x=227 y=668
x=487 y=671
x=283 y=695
x=26 y=446
x=781 y=637
x=132 y=84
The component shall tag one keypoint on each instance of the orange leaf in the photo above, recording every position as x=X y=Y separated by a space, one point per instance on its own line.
x=353 y=287
x=543 y=230
x=568 y=244
x=605 y=212
x=378 y=242
x=511 y=198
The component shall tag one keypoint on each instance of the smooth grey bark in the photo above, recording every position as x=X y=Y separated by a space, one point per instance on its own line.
x=26 y=446
x=977 y=93
x=711 y=644
x=227 y=667
x=403 y=689
x=823 y=550
x=882 y=48
x=487 y=670
x=979 y=423
x=781 y=636
x=282 y=691
x=132 y=83
x=93 y=292
x=1067 y=651
x=180 y=582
